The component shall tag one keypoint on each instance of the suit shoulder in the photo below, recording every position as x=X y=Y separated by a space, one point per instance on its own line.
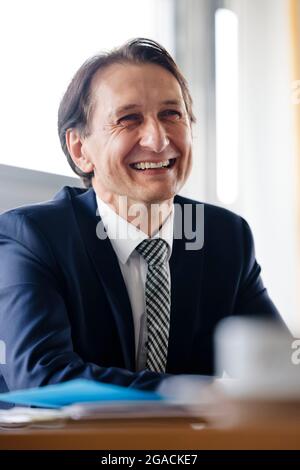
x=212 y=212
x=44 y=216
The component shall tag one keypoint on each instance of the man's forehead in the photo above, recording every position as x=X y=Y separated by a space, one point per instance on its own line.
x=128 y=81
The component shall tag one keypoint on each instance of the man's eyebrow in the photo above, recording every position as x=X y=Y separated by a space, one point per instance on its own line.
x=125 y=108
x=129 y=107
x=172 y=102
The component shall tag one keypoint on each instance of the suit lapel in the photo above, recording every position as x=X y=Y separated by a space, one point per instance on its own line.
x=107 y=267
x=186 y=267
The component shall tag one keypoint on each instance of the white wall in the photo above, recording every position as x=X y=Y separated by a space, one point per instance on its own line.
x=267 y=147
x=267 y=170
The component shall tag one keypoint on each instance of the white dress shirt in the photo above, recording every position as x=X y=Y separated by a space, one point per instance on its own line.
x=125 y=237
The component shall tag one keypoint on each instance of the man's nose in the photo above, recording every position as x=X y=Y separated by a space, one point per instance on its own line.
x=154 y=136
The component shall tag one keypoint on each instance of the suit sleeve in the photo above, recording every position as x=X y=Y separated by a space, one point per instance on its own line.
x=34 y=323
x=252 y=298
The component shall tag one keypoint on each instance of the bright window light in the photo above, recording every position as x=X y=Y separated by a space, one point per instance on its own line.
x=43 y=44
x=227 y=116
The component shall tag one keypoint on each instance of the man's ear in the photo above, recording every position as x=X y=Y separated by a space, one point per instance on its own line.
x=74 y=144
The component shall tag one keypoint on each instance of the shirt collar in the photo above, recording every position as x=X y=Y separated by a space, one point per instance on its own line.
x=125 y=237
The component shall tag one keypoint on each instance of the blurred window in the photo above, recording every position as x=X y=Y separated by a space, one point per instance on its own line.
x=43 y=44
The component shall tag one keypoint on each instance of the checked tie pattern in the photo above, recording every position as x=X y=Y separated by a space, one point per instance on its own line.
x=158 y=302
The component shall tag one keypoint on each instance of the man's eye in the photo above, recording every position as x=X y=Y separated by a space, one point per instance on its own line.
x=171 y=114
x=129 y=118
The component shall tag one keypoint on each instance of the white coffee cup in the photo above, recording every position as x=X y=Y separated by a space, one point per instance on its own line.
x=258 y=353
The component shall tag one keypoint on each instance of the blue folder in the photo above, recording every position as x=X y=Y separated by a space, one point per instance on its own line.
x=75 y=391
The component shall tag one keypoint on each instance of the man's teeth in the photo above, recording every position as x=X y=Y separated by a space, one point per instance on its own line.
x=146 y=165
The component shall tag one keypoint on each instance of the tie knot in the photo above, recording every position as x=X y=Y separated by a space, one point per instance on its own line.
x=153 y=250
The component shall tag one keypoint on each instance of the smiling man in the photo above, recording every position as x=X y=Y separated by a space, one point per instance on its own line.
x=105 y=282
x=138 y=142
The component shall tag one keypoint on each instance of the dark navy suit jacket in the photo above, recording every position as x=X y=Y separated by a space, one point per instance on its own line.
x=65 y=311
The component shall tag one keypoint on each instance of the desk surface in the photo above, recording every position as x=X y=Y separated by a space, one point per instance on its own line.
x=156 y=434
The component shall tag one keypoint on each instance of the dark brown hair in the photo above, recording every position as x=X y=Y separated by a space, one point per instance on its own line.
x=76 y=105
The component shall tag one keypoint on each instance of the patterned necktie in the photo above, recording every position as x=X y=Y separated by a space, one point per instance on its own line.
x=158 y=302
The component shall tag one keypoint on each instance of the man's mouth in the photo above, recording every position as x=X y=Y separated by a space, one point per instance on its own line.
x=141 y=166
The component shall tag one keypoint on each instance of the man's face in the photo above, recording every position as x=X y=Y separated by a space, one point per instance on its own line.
x=139 y=120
